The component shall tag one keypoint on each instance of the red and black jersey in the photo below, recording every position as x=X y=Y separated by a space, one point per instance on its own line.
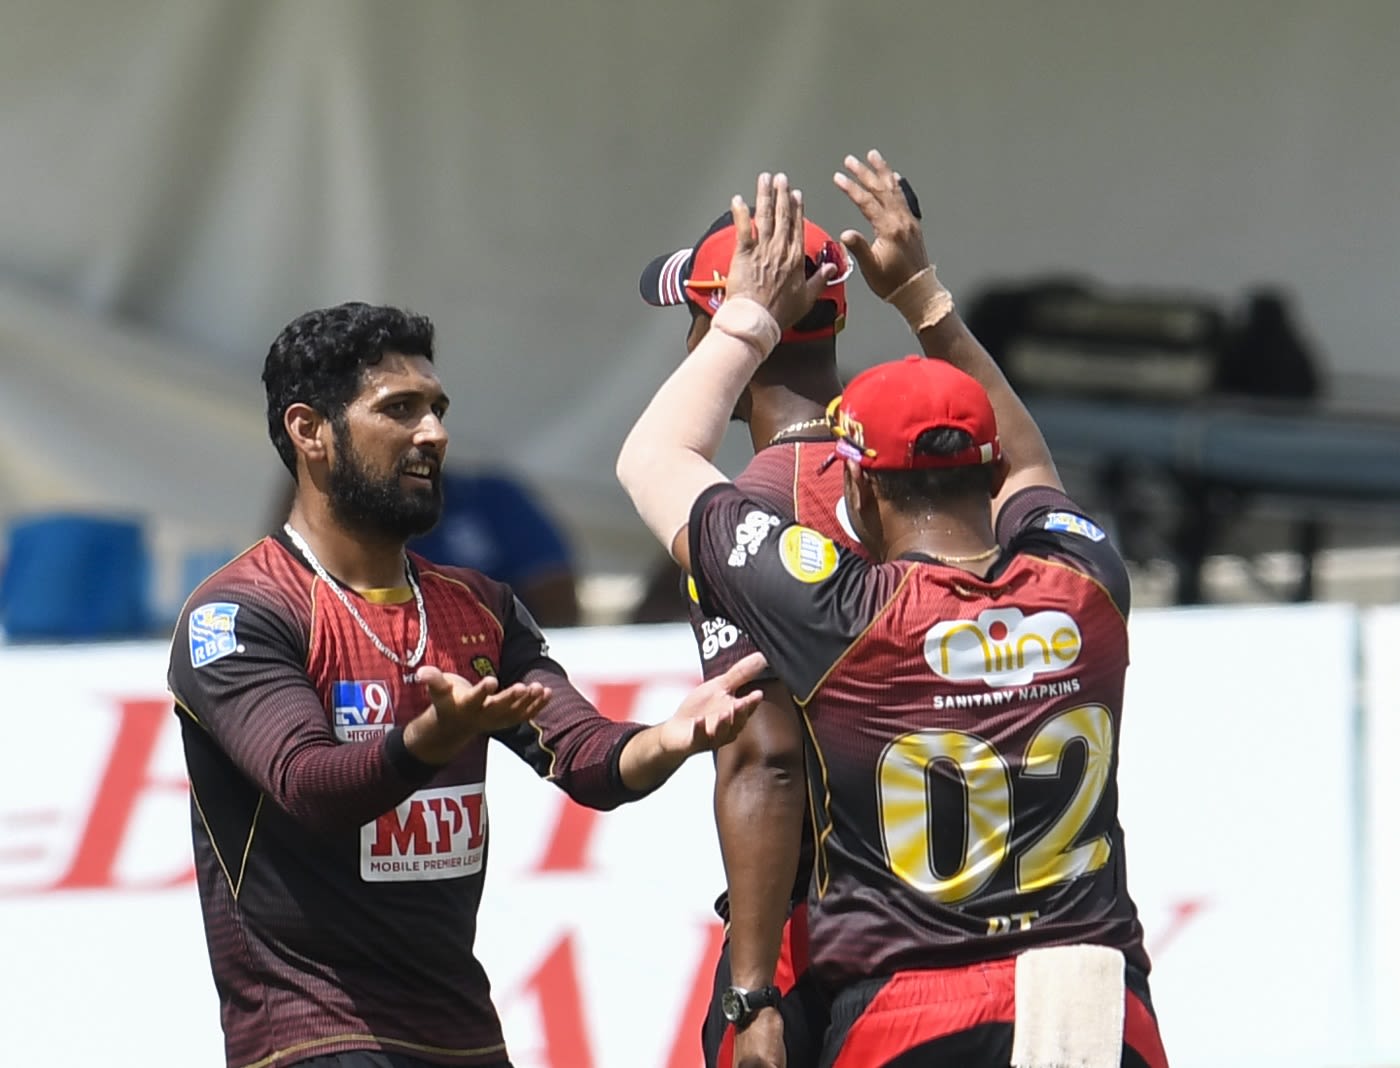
x=339 y=875
x=962 y=731
x=790 y=477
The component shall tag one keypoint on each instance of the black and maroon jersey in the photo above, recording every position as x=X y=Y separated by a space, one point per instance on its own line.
x=339 y=875
x=790 y=477
x=963 y=731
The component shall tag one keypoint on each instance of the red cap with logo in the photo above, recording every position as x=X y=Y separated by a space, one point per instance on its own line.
x=878 y=419
x=699 y=274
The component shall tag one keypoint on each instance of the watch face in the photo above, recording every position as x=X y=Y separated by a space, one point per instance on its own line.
x=732 y=1005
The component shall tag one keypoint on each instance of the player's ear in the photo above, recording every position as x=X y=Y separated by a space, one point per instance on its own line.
x=309 y=430
x=699 y=327
x=860 y=493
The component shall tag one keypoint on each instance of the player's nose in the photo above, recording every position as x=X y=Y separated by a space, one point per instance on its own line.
x=431 y=434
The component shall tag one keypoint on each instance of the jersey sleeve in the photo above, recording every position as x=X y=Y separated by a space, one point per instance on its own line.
x=802 y=598
x=237 y=673
x=569 y=743
x=1043 y=521
x=768 y=478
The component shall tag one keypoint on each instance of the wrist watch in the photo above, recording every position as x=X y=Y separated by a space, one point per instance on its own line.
x=739 y=1005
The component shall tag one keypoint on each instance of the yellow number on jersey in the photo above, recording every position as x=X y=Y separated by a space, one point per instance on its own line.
x=908 y=827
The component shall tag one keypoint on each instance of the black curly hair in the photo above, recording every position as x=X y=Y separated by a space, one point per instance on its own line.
x=319 y=359
x=913 y=491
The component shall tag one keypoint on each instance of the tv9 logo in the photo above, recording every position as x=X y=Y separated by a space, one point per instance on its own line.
x=361 y=710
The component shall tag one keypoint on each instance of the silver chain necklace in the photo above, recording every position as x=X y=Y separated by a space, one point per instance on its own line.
x=408 y=667
x=793 y=428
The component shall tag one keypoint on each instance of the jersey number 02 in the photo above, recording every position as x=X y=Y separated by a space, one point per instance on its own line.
x=908 y=825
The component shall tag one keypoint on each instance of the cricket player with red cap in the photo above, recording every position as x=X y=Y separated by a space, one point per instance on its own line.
x=961 y=693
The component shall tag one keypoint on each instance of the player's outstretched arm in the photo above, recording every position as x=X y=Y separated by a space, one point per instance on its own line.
x=896 y=266
x=665 y=463
x=711 y=716
x=461 y=710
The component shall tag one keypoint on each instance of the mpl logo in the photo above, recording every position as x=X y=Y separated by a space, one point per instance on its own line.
x=361 y=710
x=1002 y=646
x=435 y=834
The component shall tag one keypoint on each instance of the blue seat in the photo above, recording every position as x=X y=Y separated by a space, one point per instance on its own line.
x=71 y=577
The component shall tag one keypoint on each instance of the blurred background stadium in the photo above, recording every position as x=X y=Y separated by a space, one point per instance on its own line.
x=1176 y=226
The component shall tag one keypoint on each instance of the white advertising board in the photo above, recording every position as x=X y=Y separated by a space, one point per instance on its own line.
x=1237 y=802
x=1380 y=827
x=1236 y=795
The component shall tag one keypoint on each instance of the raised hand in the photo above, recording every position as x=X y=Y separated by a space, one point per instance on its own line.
x=769 y=265
x=898 y=252
x=461 y=710
x=711 y=714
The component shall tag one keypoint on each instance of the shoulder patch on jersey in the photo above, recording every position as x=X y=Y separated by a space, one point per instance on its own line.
x=807 y=555
x=1074 y=524
x=212 y=634
x=750 y=534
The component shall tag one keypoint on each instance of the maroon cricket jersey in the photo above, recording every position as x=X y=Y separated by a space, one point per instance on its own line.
x=339 y=875
x=789 y=477
x=962 y=731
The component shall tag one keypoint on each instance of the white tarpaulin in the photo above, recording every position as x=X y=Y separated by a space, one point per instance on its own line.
x=209 y=169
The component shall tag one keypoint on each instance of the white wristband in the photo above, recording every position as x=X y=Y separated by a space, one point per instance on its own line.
x=923 y=300
x=748 y=321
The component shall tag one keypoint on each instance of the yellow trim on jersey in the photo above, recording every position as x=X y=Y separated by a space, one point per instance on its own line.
x=248 y=846
x=311 y=628
x=796 y=480
x=387 y=594
x=480 y=603
x=802 y=702
x=184 y=708
x=194 y=796
x=300 y=1048
x=821 y=867
x=1082 y=574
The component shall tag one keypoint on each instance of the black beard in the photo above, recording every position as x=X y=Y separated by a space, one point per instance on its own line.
x=380 y=506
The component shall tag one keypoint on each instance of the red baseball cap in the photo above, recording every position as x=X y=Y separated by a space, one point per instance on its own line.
x=880 y=416
x=698 y=274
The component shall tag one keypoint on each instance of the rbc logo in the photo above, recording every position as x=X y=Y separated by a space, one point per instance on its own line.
x=360 y=709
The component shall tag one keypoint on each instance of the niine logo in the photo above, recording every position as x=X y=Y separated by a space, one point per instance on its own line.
x=1003 y=646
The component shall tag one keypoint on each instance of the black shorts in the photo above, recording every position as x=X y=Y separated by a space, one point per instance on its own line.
x=803 y=1009
x=957 y=1016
